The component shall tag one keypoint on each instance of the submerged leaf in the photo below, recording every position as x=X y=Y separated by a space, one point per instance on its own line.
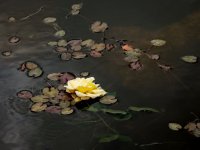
x=109 y=138
x=113 y=111
x=174 y=126
x=189 y=59
x=133 y=108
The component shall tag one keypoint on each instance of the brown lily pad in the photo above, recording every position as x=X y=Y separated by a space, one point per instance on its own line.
x=24 y=94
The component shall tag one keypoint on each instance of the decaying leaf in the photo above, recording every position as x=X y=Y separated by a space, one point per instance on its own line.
x=99 y=26
x=108 y=99
x=59 y=33
x=38 y=107
x=98 y=47
x=49 y=20
x=37 y=72
x=24 y=94
x=67 y=111
x=148 y=109
x=50 y=92
x=158 y=42
x=189 y=59
x=174 y=126
x=88 y=43
x=40 y=98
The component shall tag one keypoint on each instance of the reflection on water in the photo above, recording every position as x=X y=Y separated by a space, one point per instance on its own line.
x=176 y=93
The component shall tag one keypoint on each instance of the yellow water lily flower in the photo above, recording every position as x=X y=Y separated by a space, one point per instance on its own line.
x=84 y=89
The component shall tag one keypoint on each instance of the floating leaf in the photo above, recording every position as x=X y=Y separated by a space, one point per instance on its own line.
x=158 y=42
x=174 y=126
x=40 y=98
x=136 y=65
x=6 y=53
x=14 y=39
x=131 y=59
x=61 y=49
x=61 y=87
x=191 y=126
x=95 y=54
x=38 y=107
x=121 y=117
x=84 y=74
x=108 y=138
x=133 y=108
x=59 y=33
x=66 y=56
x=88 y=43
x=53 y=109
x=78 y=55
x=11 y=19
x=54 y=76
x=135 y=53
x=49 y=20
x=77 y=6
x=113 y=111
x=67 y=111
x=62 y=43
x=154 y=56
x=64 y=104
x=189 y=59
x=66 y=77
x=25 y=94
x=196 y=133
x=165 y=67
x=98 y=47
x=127 y=47
x=37 y=72
x=50 y=92
x=108 y=99
x=31 y=65
x=75 y=12
x=99 y=26
x=52 y=43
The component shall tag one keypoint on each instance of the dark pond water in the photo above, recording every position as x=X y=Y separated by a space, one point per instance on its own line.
x=175 y=93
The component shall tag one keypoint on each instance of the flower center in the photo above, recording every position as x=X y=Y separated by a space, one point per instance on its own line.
x=89 y=87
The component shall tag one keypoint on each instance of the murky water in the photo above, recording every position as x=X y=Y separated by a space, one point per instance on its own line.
x=175 y=93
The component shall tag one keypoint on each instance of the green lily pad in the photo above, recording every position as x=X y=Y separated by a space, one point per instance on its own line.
x=38 y=107
x=37 y=72
x=67 y=111
x=40 y=98
x=158 y=42
x=189 y=59
x=59 y=33
x=133 y=108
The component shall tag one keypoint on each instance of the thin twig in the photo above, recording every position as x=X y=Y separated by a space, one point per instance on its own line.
x=32 y=14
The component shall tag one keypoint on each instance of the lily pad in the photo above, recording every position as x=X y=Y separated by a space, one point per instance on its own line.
x=84 y=74
x=158 y=42
x=54 y=76
x=108 y=99
x=174 y=126
x=98 y=47
x=88 y=43
x=40 y=98
x=189 y=59
x=52 y=43
x=31 y=65
x=99 y=26
x=78 y=55
x=64 y=104
x=37 y=72
x=6 y=53
x=95 y=54
x=61 y=49
x=67 y=111
x=133 y=108
x=66 y=56
x=24 y=94
x=38 y=107
x=62 y=43
x=50 y=92
x=49 y=20
x=14 y=39
x=11 y=19
x=53 y=109
x=59 y=33
x=136 y=65
x=66 y=77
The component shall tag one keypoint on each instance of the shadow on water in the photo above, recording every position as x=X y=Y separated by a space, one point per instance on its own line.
x=176 y=93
